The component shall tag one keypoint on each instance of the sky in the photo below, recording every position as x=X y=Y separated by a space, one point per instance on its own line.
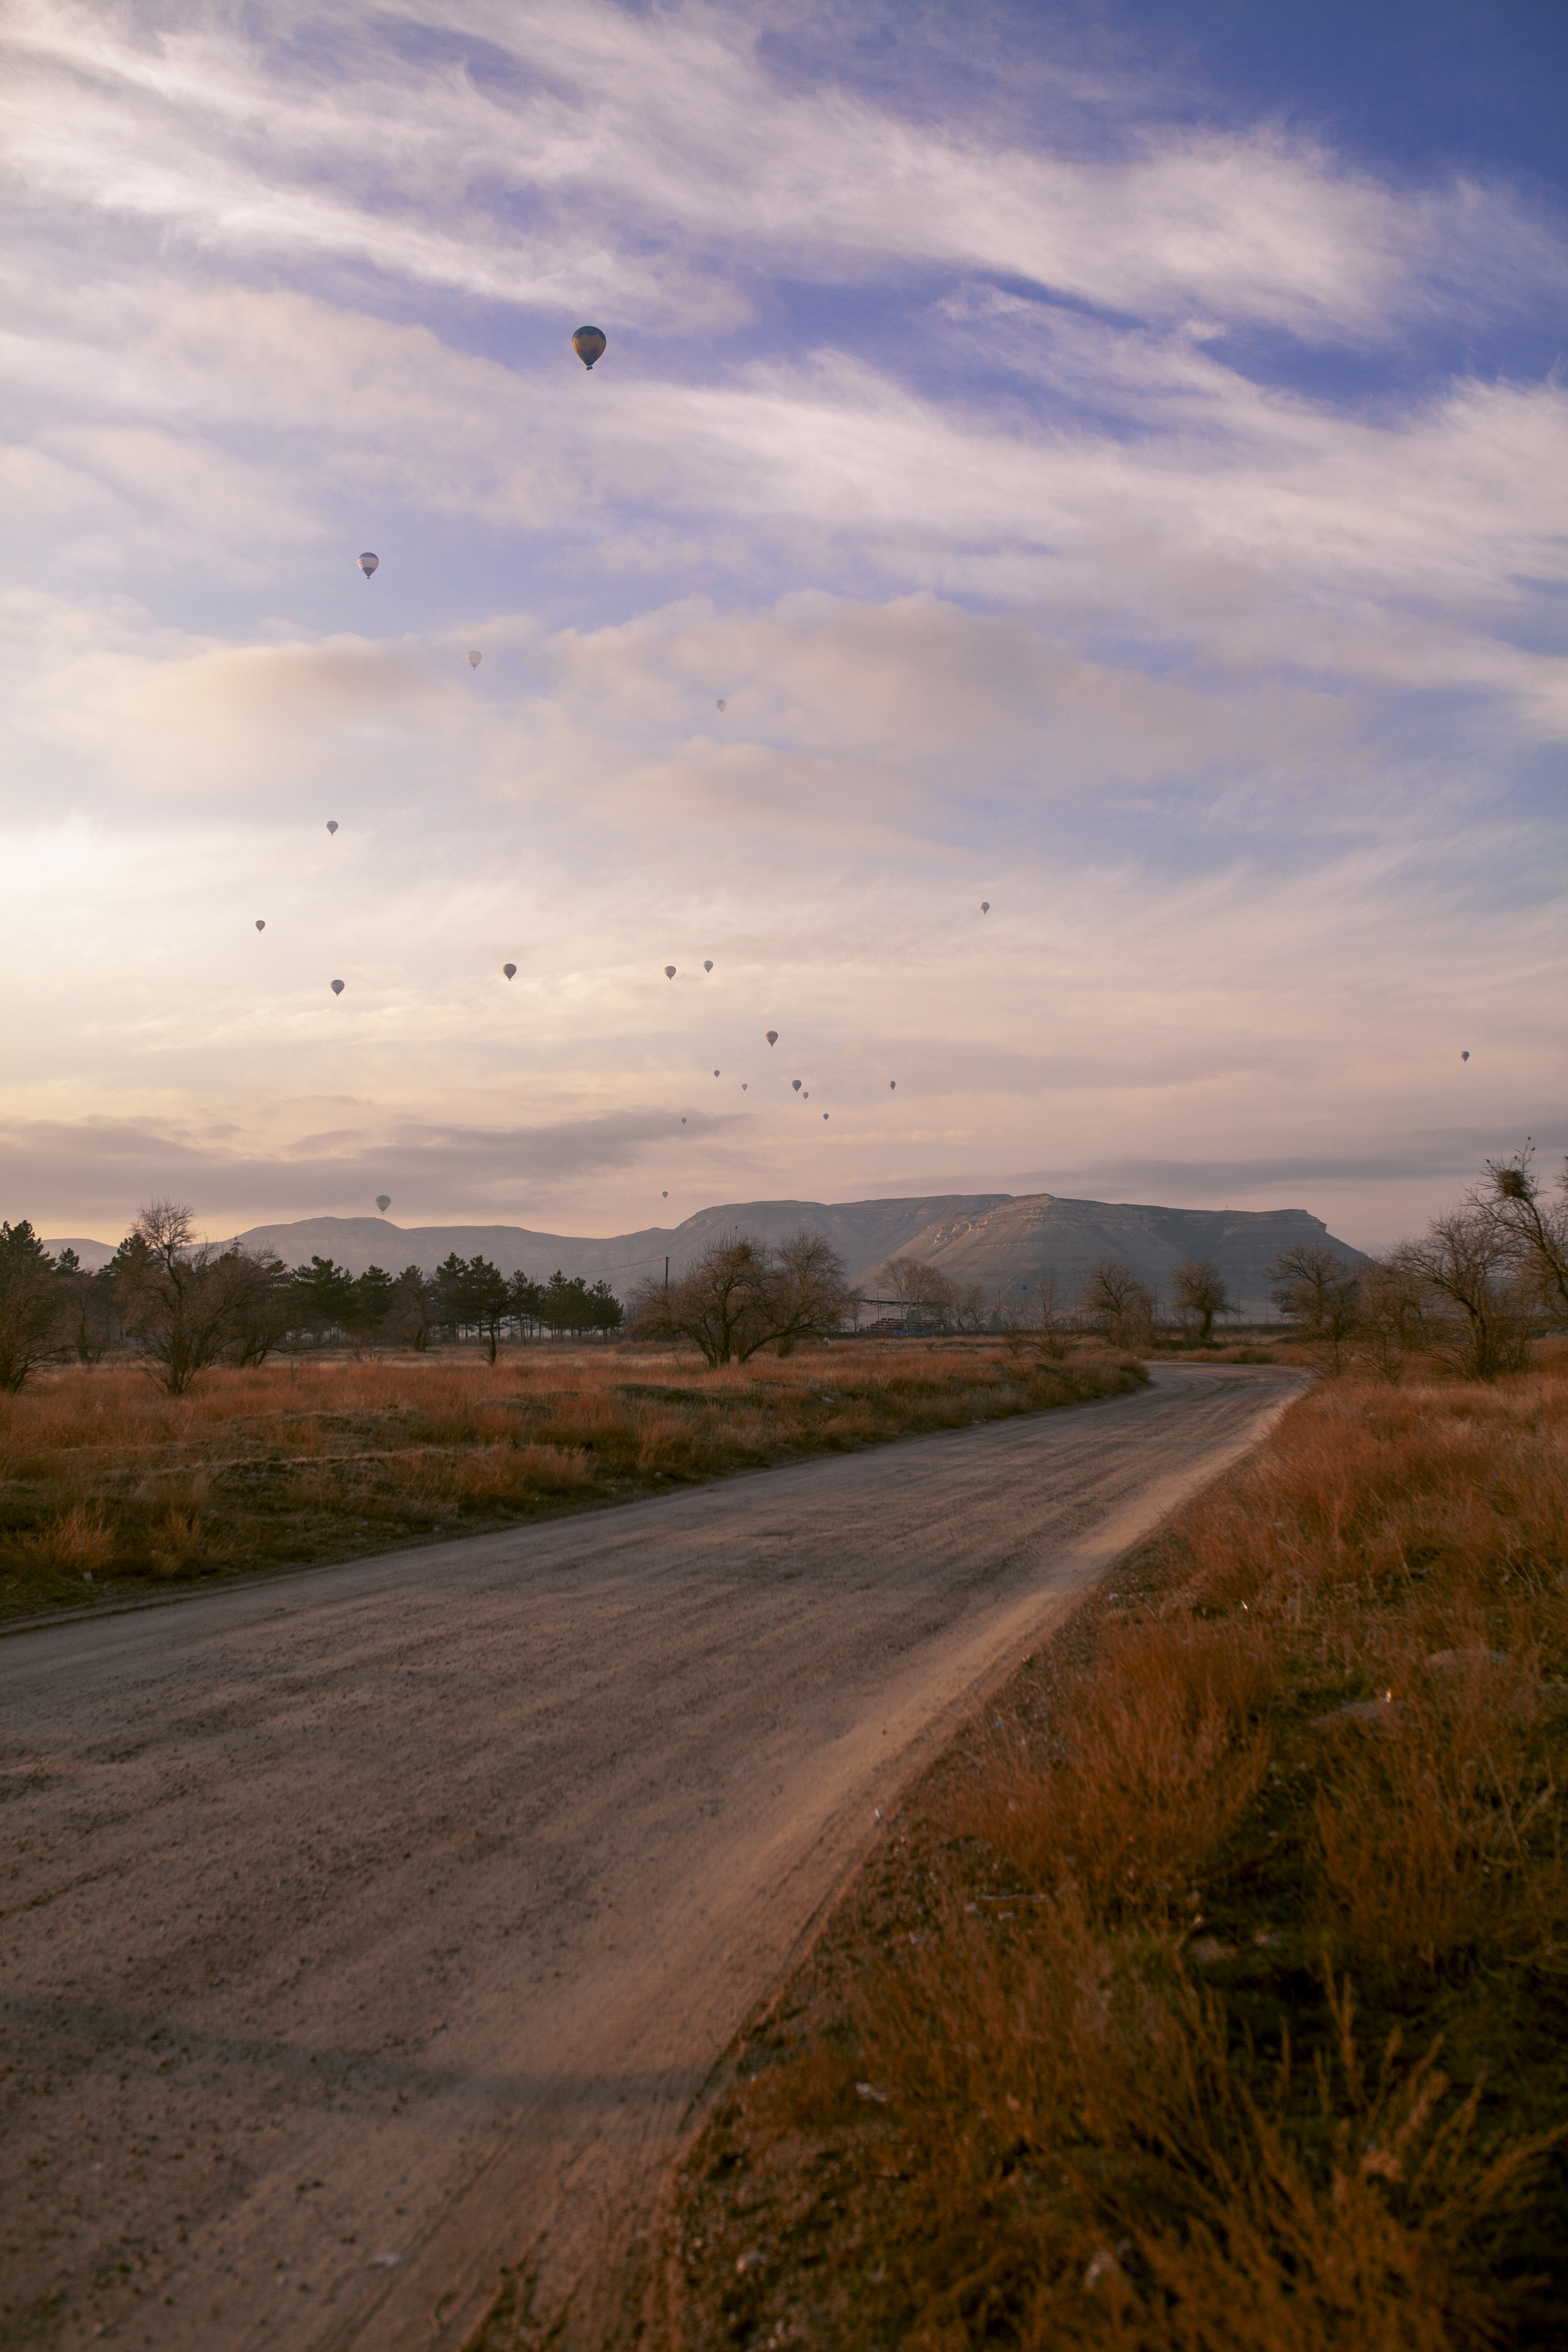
x=1111 y=461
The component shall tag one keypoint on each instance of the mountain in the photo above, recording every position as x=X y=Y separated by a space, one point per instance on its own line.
x=991 y=1238
x=1020 y=1241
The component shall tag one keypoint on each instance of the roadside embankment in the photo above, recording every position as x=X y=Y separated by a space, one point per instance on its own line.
x=1212 y=1991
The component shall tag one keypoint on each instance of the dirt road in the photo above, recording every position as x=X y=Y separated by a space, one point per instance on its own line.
x=365 y=1930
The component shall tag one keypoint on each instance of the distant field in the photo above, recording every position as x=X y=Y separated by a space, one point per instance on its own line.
x=1211 y=1994
x=108 y=1486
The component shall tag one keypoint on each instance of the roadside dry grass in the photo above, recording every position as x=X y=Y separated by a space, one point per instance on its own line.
x=107 y=1484
x=1212 y=1994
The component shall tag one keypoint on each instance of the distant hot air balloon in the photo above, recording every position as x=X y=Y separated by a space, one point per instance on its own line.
x=474 y=660
x=337 y=988
x=723 y=704
x=683 y=1121
x=715 y=1072
x=986 y=905
x=824 y=1114
x=669 y=971
x=709 y=965
x=589 y=345
x=331 y=825
x=368 y=563
x=510 y=970
x=1464 y=1057
x=260 y=924
x=383 y=1201
x=664 y=1196
x=806 y=1097
x=795 y=1084
x=772 y=1035
x=742 y=1085
x=892 y=1086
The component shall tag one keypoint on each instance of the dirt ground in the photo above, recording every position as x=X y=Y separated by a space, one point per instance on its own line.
x=370 y=1932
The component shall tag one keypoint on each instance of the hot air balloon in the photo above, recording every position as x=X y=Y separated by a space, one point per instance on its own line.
x=383 y=1201
x=986 y=905
x=742 y=1085
x=1464 y=1057
x=669 y=971
x=510 y=970
x=683 y=1122
x=260 y=924
x=892 y=1086
x=772 y=1035
x=368 y=563
x=331 y=825
x=824 y=1114
x=709 y=965
x=715 y=1072
x=337 y=988
x=664 y=1196
x=589 y=345
x=723 y=705
x=806 y=1097
x=795 y=1084
x=474 y=660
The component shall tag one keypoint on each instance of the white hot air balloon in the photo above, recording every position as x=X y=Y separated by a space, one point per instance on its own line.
x=510 y=970
x=331 y=825
x=474 y=660
x=337 y=988
x=260 y=924
x=369 y=562
x=383 y=1201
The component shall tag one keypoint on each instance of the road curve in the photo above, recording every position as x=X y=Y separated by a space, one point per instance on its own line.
x=366 y=1929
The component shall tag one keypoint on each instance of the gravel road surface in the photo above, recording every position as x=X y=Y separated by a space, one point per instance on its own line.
x=366 y=1929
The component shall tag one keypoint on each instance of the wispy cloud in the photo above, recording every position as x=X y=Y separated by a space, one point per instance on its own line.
x=1080 y=501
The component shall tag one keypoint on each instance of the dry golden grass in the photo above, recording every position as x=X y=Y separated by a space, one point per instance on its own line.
x=1213 y=1995
x=104 y=1480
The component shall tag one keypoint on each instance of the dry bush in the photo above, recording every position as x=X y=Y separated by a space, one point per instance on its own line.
x=76 y=1543
x=1159 y=1760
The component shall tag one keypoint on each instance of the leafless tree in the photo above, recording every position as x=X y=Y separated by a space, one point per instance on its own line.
x=1315 y=1288
x=1199 y=1292
x=1390 y=1322
x=920 y=1289
x=1116 y=1303
x=1536 y=1231
x=187 y=1303
x=738 y=1296
x=1467 y=1265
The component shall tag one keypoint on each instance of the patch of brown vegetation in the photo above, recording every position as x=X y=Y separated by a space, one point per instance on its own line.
x=1212 y=1994
x=107 y=1483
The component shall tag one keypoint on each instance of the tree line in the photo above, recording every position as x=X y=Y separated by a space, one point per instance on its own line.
x=1470 y=1291
x=184 y=1304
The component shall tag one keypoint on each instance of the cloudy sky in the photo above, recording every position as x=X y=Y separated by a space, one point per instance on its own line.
x=1111 y=461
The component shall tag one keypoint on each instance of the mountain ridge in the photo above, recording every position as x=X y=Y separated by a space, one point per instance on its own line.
x=1007 y=1243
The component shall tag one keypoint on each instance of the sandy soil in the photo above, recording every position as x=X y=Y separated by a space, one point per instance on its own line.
x=368 y=1930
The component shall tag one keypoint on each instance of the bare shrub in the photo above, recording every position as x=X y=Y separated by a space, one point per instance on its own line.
x=1467 y=1265
x=1199 y=1292
x=1116 y=1303
x=1315 y=1288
